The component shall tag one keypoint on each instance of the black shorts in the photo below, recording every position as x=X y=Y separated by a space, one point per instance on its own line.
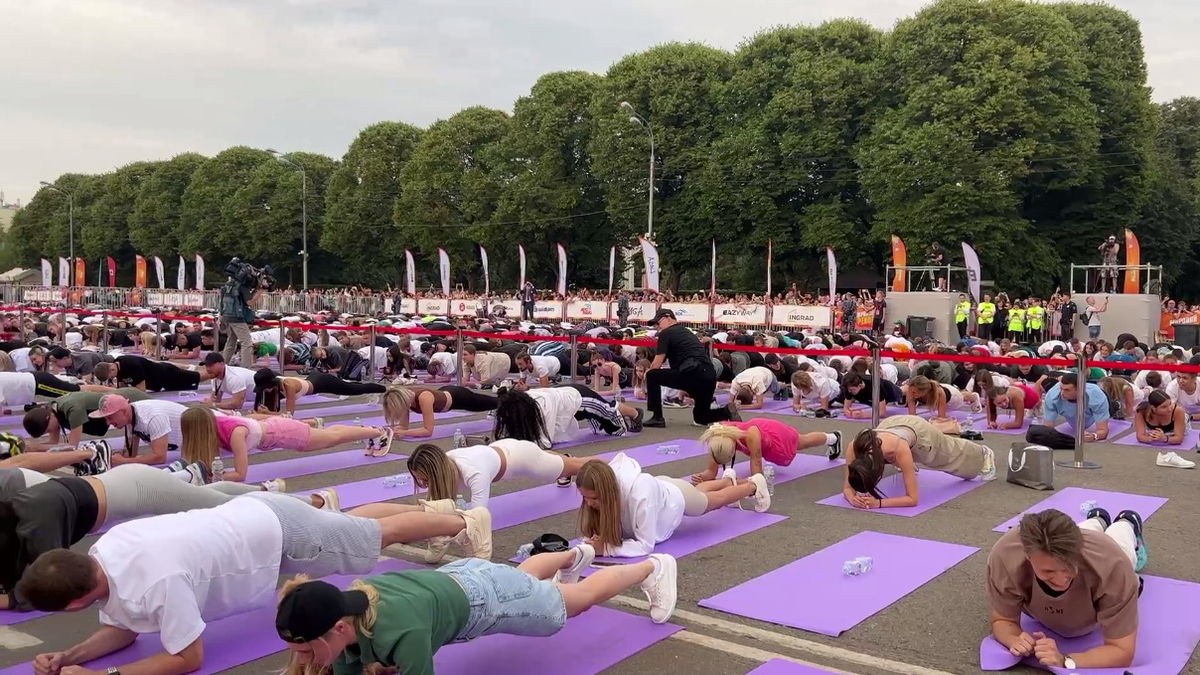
x=167 y=377
x=51 y=387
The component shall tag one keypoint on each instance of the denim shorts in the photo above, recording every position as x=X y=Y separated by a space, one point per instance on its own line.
x=506 y=600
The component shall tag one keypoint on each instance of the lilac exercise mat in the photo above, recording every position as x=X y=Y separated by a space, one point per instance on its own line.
x=228 y=642
x=1168 y=630
x=1191 y=439
x=1068 y=500
x=310 y=464
x=783 y=667
x=701 y=532
x=934 y=489
x=835 y=602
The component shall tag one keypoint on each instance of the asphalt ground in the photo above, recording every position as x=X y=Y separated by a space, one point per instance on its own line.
x=935 y=629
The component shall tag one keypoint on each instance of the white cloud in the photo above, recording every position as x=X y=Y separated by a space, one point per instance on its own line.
x=93 y=85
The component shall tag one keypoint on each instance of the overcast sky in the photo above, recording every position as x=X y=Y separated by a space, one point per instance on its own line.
x=90 y=85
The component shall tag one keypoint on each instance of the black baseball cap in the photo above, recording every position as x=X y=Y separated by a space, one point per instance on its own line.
x=311 y=609
x=213 y=358
x=663 y=314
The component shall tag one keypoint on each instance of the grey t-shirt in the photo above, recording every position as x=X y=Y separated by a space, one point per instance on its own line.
x=83 y=363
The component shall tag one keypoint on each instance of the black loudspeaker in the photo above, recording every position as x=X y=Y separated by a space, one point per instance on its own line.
x=1187 y=336
x=919 y=326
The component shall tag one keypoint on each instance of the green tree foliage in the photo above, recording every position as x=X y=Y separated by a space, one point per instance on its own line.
x=154 y=223
x=1181 y=132
x=360 y=199
x=450 y=189
x=105 y=225
x=209 y=219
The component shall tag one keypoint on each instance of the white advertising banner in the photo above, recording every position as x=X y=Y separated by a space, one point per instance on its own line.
x=639 y=312
x=688 y=312
x=512 y=308
x=587 y=310
x=548 y=310
x=801 y=316
x=433 y=306
x=744 y=315
x=463 y=306
x=175 y=299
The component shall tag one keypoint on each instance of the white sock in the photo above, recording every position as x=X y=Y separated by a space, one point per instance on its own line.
x=830 y=439
x=657 y=568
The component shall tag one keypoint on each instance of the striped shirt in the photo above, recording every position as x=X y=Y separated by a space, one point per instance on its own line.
x=156 y=418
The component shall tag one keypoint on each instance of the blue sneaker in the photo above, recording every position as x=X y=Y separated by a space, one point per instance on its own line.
x=1142 y=553
x=1102 y=514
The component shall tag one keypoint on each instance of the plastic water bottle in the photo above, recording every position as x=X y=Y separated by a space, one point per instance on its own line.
x=397 y=480
x=857 y=566
x=769 y=474
x=357 y=421
x=807 y=413
x=218 y=470
x=1086 y=507
x=460 y=503
x=524 y=551
x=970 y=425
x=460 y=441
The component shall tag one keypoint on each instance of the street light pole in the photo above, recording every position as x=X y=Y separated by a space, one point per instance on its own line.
x=70 y=227
x=303 y=213
x=642 y=122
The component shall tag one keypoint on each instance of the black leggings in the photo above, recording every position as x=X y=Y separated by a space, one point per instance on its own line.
x=51 y=387
x=324 y=383
x=471 y=401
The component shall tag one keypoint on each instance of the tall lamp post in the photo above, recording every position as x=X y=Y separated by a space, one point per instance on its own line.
x=642 y=122
x=70 y=226
x=303 y=212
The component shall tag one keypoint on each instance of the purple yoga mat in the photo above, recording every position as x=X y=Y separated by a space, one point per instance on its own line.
x=1068 y=500
x=1168 y=630
x=10 y=618
x=782 y=667
x=934 y=489
x=701 y=532
x=1191 y=439
x=310 y=464
x=836 y=602
x=228 y=642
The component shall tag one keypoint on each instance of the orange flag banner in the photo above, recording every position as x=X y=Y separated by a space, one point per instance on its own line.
x=140 y=273
x=899 y=262
x=1133 y=258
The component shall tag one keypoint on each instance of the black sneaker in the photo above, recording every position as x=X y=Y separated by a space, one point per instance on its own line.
x=102 y=462
x=734 y=415
x=655 y=422
x=636 y=425
x=1143 y=554
x=835 y=450
x=1102 y=514
x=563 y=481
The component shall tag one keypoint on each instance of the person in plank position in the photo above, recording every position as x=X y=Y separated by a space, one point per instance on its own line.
x=762 y=440
x=399 y=620
x=1071 y=578
x=172 y=574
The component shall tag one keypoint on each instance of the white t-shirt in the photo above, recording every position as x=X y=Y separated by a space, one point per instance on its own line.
x=17 y=389
x=73 y=340
x=235 y=381
x=889 y=372
x=380 y=356
x=155 y=418
x=542 y=366
x=478 y=466
x=448 y=362
x=1190 y=402
x=758 y=379
x=21 y=360
x=823 y=387
x=271 y=336
x=171 y=574
x=1139 y=380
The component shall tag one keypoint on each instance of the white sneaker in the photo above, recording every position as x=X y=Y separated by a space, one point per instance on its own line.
x=730 y=475
x=277 y=485
x=989 y=464
x=436 y=547
x=318 y=422
x=330 y=497
x=476 y=537
x=584 y=555
x=1174 y=461
x=762 y=497
x=660 y=588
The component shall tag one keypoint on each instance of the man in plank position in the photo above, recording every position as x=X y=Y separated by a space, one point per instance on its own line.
x=1070 y=577
x=171 y=574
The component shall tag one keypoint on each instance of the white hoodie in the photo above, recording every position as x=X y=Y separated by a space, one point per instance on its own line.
x=558 y=406
x=651 y=509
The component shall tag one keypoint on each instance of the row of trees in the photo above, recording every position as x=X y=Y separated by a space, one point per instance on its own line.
x=1025 y=129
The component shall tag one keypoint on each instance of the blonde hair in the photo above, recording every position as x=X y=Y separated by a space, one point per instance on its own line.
x=363 y=623
x=921 y=385
x=6 y=363
x=441 y=472
x=802 y=380
x=603 y=523
x=198 y=426
x=397 y=404
x=149 y=340
x=722 y=440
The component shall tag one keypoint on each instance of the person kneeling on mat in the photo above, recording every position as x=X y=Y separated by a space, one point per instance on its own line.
x=761 y=439
x=908 y=442
x=172 y=574
x=1070 y=577
x=625 y=513
x=1061 y=404
x=399 y=620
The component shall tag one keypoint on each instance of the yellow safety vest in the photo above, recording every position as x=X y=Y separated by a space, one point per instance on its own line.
x=1016 y=320
x=961 y=310
x=1036 y=314
x=987 y=312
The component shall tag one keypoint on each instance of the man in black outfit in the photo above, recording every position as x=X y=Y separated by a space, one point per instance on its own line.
x=691 y=371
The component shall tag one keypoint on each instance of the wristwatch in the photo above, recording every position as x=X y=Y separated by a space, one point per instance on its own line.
x=1068 y=663
x=112 y=670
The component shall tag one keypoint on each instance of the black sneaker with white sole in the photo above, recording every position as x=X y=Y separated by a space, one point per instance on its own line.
x=102 y=462
x=835 y=449
x=1102 y=514
x=563 y=481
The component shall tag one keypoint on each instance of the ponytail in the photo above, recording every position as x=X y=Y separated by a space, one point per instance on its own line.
x=866 y=469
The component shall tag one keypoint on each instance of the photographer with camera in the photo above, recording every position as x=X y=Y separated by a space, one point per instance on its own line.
x=239 y=292
x=1108 y=264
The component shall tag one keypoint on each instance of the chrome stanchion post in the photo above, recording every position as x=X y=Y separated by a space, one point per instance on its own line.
x=158 y=328
x=574 y=357
x=1080 y=419
x=104 y=332
x=372 y=352
x=458 y=374
x=282 y=343
x=875 y=386
x=21 y=321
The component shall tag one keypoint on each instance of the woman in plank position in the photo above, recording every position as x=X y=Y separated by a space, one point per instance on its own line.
x=1160 y=421
x=761 y=439
x=399 y=402
x=908 y=442
x=549 y=415
x=626 y=513
x=271 y=392
x=399 y=620
x=1016 y=396
x=941 y=398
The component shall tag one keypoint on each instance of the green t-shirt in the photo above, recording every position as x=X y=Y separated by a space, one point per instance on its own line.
x=418 y=613
x=265 y=349
x=73 y=409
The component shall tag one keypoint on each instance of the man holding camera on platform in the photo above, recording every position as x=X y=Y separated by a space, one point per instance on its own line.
x=1108 y=264
x=239 y=292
